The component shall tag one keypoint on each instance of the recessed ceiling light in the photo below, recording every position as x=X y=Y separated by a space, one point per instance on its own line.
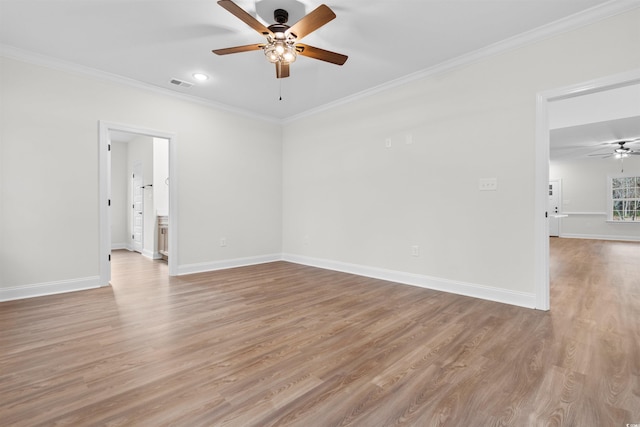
x=200 y=77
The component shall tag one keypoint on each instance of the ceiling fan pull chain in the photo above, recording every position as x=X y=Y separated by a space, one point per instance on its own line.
x=280 y=81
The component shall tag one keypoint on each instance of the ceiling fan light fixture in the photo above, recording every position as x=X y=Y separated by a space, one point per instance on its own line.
x=279 y=51
x=271 y=54
x=281 y=46
x=289 y=55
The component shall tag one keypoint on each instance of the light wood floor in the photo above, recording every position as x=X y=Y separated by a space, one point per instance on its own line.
x=287 y=345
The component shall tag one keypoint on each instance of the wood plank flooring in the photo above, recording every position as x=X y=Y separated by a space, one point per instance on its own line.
x=282 y=344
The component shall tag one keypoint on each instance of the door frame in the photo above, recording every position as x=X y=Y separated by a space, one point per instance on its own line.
x=104 y=193
x=541 y=223
x=137 y=168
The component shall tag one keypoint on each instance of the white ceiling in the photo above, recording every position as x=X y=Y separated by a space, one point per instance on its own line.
x=590 y=125
x=596 y=139
x=153 y=41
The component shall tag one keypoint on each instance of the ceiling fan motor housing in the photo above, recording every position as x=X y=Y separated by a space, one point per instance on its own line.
x=281 y=16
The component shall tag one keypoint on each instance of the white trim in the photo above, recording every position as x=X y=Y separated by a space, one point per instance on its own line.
x=601 y=237
x=541 y=202
x=104 y=174
x=151 y=254
x=58 y=64
x=227 y=263
x=569 y=23
x=117 y=246
x=586 y=17
x=490 y=293
x=49 y=288
x=541 y=225
x=585 y=213
x=505 y=296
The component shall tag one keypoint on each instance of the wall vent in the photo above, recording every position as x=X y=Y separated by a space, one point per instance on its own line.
x=181 y=83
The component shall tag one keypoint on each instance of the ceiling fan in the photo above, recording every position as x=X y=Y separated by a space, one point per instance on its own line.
x=622 y=151
x=282 y=47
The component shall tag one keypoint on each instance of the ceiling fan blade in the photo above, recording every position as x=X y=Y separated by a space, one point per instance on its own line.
x=312 y=21
x=321 y=54
x=238 y=49
x=282 y=70
x=245 y=17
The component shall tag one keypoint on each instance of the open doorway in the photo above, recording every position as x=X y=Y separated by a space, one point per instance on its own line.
x=544 y=123
x=139 y=192
x=142 y=219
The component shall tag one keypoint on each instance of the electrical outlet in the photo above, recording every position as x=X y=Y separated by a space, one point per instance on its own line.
x=488 y=184
x=387 y=142
x=415 y=250
x=408 y=138
x=223 y=241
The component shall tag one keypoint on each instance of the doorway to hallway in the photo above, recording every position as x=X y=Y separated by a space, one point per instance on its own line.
x=157 y=197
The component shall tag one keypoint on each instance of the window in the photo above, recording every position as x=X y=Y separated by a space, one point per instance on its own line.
x=624 y=199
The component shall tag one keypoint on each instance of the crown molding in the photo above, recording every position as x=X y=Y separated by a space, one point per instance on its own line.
x=58 y=64
x=581 y=19
x=578 y=20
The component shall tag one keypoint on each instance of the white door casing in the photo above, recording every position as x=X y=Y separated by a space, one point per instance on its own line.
x=104 y=169
x=137 y=206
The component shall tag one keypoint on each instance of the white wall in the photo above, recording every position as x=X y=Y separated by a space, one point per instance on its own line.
x=345 y=199
x=160 y=176
x=120 y=233
x=584 y=197
x=356 y=205
x=229 y=169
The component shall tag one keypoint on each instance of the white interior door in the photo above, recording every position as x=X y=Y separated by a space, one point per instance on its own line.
x=554 y=208
x=137 y=193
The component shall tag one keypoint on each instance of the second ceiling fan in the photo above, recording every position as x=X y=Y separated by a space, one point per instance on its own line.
x=621 y=151
x=282 y=47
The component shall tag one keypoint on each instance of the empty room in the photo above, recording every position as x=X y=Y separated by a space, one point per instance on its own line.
x=289 y=213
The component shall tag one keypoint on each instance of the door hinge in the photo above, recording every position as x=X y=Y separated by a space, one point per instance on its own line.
x=133 y=236
x=109 y=202
x=109 y=147
x=546 y=214
x=109 y=257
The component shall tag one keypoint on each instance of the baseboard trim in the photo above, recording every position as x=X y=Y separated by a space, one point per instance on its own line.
x=505 y=296
x=227 y=263
x=49 y=288
x=151 y=254
x=600 y=237
x=117 y=246
x=521 y=299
